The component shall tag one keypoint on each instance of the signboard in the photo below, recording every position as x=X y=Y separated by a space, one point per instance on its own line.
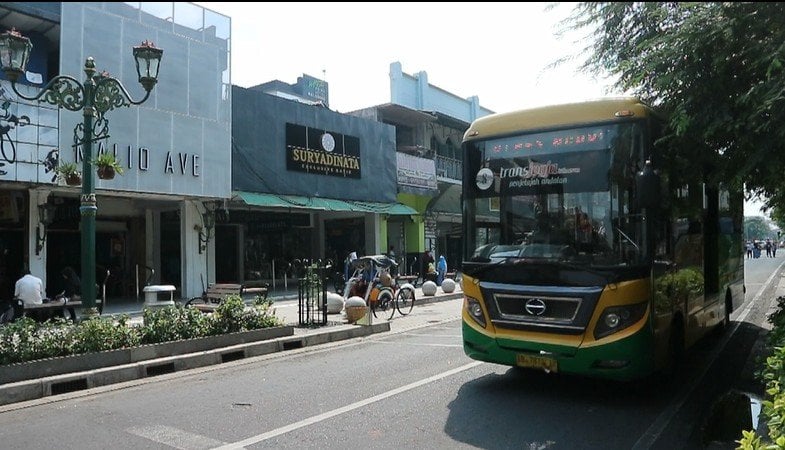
x=322 y=152
x=416 y=172
x=562 y=172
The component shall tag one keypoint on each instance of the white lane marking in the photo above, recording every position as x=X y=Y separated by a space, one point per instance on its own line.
x=174 y=437
x=650 y=436
x=329 y=414
x=420 y=344
x=435 y=335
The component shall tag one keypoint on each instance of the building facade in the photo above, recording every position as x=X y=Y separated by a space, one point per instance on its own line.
x=429 y=126
x=174 y=148
x=308 y=183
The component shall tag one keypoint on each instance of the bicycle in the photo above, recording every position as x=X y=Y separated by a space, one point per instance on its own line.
x=381 y=292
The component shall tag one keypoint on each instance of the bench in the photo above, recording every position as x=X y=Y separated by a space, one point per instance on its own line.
x=450 y=275
x=255 y=288
x=218 y=292
x=412 y=279
x=53 y=308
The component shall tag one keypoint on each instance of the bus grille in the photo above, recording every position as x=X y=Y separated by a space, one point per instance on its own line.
x=565 y=310
x=527 y=307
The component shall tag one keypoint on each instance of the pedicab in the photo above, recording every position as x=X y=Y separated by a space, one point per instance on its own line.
x=373 y=281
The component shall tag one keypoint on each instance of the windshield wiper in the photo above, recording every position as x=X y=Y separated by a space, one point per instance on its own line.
x=628 y=239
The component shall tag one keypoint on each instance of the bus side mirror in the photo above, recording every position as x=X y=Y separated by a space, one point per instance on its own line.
x=647 y=183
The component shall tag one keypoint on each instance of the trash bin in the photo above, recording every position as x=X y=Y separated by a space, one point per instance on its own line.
x=155 y=295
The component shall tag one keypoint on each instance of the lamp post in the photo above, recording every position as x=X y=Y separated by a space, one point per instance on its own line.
x=95 y=96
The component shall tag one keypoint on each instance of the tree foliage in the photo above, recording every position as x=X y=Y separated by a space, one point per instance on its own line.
x=715 y=70
x=756 y=227
x=778 y=217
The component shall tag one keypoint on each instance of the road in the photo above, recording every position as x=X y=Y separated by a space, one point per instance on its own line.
x=412 y=389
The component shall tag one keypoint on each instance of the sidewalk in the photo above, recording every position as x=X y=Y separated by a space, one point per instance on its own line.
x=286 y=306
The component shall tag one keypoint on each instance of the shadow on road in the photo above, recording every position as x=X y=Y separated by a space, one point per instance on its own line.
x=521 y=409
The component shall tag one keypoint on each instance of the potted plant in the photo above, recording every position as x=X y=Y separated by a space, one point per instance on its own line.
x=107 y=166
x=69 y=173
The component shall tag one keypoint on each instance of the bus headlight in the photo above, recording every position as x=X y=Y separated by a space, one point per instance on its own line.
x=617 y=318
x=474 y=308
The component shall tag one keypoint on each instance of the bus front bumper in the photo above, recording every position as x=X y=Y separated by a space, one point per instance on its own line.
x=624 y=359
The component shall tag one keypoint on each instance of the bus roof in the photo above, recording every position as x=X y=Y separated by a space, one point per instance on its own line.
x=556 y=116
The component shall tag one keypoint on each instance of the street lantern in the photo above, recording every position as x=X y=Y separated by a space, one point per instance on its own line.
x=98 y=94
x=14 y=53
x=148 y=61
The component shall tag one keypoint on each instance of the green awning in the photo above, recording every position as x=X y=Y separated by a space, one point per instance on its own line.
x=323 y=204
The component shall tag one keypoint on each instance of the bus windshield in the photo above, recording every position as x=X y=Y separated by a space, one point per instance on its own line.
x=562 y=196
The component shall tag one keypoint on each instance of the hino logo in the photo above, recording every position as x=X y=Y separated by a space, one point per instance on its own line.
x=535 y=307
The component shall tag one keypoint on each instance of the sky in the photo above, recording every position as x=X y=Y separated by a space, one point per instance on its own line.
x=496 y=51
x=504 y=53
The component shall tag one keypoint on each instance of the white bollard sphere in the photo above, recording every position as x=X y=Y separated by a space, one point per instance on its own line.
x=354 y=301
x=448 y=285
x=429 y=288
x=334 y=303
x=355 y=309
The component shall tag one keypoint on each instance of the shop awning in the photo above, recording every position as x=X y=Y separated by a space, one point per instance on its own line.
x=323 y=204
x=448 y=201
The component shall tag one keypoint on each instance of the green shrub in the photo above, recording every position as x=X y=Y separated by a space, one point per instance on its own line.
x=228 y=317
x=261 y=315
x=172 y=324
x=98 y=334
x=27 y=340
x=773 y=376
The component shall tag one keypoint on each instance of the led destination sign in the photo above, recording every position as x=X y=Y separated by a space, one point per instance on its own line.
x=551 y=142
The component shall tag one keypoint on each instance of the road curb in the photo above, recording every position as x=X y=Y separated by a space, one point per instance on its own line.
x=27 y=390
x=71 y=382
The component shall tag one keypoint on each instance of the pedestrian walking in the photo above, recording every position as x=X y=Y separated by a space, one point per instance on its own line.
x=441 y=270
x=768 y=248
x=749 y=249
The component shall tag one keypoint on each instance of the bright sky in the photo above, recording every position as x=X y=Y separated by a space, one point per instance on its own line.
x=496 y=51
x=501 y=52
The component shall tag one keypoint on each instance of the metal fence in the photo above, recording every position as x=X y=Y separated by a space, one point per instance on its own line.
x=312 y=295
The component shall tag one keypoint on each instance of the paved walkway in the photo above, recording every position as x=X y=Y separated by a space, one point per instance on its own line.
x=287 y=308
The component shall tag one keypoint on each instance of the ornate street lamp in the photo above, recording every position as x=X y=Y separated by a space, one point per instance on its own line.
x=206 y=230
x=46 y=214
x=95 y=96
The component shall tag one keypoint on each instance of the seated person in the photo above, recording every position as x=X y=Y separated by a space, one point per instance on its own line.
x=430 y=275
x=72 y=285
x=29 y=289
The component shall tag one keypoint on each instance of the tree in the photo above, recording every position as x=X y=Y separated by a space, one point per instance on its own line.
x=778 y=217
x=715 y=70
x=756 y=227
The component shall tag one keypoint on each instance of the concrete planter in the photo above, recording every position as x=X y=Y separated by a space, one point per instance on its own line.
x=91 y=361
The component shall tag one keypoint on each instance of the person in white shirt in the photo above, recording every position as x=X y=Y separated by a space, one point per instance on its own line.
x=30 y=289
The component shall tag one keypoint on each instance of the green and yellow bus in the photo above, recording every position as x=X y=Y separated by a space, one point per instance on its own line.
x=588 y=249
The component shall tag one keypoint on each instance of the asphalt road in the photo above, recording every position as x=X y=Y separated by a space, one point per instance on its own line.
x=414 y=388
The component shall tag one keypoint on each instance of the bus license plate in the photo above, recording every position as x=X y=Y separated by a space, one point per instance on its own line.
x=537 y=362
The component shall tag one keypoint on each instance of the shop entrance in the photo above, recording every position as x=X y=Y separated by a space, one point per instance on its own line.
x=343 y=236
x=170 y=248
x=226 y=251
x=11 y=261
